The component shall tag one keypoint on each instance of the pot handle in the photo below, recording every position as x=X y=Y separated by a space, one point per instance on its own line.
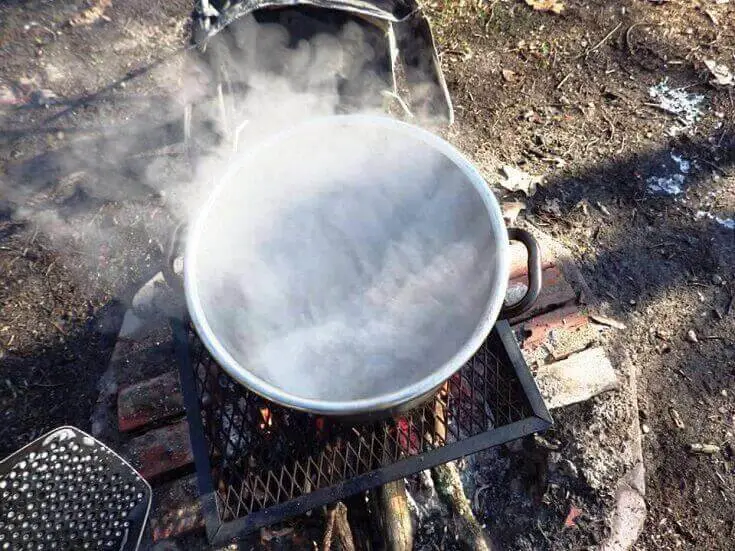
x=174 y=280
x=534 y=273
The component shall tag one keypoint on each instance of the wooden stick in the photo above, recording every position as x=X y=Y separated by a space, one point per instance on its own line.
x=339 y=525
x=327 y=541
x=449 y=487
x=601 y=42
x=342 y=524
x=396 y=516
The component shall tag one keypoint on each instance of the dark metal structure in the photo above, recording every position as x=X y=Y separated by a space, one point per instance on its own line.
x=258 y=463
x=66 y=490
x=397 y=34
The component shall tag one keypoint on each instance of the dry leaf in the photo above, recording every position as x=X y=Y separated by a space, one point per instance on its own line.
x=574 y=512
x=723 y=75
x=713 y=17
x=93 y=13
x=517 y=180
x=509 y=75
x=553 y=6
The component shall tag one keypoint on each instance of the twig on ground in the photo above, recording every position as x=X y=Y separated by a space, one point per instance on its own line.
x=590 y=144
x=714 y=166
x=236 y=137
x=628 y=33
x=558 y=86
x=601 y=42
x=612 y=127
x=399 y=100
x=491 y=8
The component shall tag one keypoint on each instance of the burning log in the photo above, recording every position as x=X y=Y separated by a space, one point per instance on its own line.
x=337 y=524
x=397 y=527
x=449 y=487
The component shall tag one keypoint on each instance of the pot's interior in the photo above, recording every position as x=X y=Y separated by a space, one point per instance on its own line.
x=344 y=262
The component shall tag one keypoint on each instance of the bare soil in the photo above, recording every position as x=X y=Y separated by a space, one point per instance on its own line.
x=567 y=97
x=563 y=96
x=80 y=229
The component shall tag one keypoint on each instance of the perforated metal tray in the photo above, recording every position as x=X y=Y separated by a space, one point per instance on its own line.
x=66 y=490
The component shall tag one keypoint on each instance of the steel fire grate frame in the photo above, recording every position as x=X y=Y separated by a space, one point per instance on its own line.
x=258 y=463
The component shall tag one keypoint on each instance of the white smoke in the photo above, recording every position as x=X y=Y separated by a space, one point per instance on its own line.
x=344 y=262
x=343 y=266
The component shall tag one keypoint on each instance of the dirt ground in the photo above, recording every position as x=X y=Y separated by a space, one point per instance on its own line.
x=72 y=252
x=564 y=96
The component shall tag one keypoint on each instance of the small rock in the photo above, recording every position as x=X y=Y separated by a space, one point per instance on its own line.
x=603 y=209
x=547 y=442
x=553 y=460
x=723 y=392
x=43 y=97
x=676 y=418
x=692 y=336
x=508 y=75
x=511 y=210
x=645 y=429
x=717 y=279
x=567 y=468
x=722 y=75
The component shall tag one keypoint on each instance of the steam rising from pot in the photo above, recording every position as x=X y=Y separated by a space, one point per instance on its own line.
x=377 y=284
x=343 y=261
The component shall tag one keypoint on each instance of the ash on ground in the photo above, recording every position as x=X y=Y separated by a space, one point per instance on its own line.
x=554 y=491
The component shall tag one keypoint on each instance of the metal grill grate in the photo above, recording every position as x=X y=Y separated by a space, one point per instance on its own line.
x=259 y=462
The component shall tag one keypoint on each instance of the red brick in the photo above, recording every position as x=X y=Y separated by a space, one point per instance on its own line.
x=149 y=402
x=519 y=259
x=160 y=451
x=555 y=291
x=176 y=510
x=536 y=330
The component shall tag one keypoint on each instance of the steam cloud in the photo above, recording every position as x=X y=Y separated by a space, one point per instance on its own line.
x=357 y=267
x=357 y=263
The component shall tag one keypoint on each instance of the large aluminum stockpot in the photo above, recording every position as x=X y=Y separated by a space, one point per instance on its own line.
x=349 y=266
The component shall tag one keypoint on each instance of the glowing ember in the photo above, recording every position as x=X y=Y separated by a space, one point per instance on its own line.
x=265 y=414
